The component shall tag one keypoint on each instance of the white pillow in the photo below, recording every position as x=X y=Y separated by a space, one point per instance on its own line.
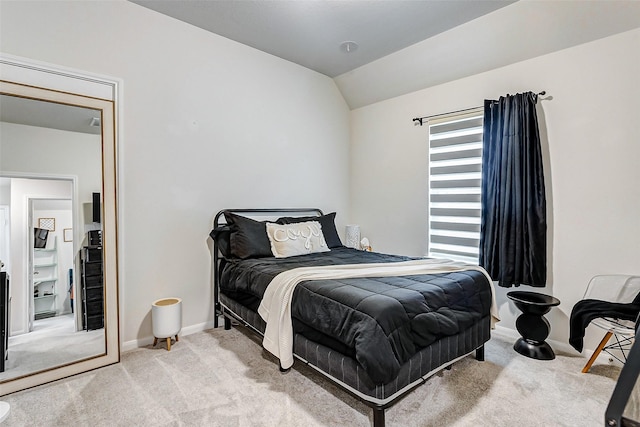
x=296 y=239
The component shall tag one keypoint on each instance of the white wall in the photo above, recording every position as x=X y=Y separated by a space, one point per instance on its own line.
x=207 y=124
x=590 y=116
x=53 y=152
x=5 y=202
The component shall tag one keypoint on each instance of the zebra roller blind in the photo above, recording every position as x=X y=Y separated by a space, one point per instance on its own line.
x=455 y=162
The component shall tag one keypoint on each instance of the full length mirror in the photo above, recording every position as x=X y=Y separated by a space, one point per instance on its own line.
x=57 y=235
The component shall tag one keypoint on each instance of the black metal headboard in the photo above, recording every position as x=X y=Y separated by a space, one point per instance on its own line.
x=264 y=212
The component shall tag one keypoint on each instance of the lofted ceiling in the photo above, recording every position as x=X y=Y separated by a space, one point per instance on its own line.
x=404 y=45
x=310 y=32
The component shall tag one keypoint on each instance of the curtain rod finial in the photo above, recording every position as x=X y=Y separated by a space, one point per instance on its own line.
x=417 y=120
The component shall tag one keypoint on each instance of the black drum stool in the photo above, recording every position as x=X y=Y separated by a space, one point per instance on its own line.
x=532 y=324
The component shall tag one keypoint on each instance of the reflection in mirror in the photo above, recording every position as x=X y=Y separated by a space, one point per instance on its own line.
x=51 y=246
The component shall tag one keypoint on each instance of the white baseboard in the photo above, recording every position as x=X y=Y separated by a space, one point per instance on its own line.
x=142 y=342
x=559 y=346
x=508 y=333
x=556 y=345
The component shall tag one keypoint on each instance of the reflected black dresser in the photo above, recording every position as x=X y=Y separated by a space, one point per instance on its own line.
x=92 y=288
x=4 y=319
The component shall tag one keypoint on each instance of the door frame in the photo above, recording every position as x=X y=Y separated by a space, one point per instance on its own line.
x=27 y=243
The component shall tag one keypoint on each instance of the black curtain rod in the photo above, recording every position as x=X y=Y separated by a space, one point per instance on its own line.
x=421 y=119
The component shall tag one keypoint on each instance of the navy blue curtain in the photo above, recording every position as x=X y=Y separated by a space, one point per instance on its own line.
x=513 y=230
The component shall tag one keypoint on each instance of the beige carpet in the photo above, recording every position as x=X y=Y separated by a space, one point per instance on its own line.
x=224 y=378
x=53 y=342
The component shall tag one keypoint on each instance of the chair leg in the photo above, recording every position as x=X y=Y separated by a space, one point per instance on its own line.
x=169 y=344
x=597 y=352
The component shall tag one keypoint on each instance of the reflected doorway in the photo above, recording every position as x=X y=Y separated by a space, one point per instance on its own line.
x=51 y=260
x=55 y=335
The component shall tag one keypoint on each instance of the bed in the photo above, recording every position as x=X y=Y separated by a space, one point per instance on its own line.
x=377 y=325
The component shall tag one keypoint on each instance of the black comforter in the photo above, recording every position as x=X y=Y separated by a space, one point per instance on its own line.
x=381 y=321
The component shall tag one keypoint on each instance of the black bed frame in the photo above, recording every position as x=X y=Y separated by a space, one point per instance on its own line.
x=229 y=315
x=216 y=252
x=628 y=380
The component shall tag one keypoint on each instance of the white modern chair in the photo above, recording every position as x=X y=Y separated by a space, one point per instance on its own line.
x=613 y=288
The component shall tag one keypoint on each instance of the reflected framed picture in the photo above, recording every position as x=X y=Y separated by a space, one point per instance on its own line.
x=67 y=234
x=47 y=223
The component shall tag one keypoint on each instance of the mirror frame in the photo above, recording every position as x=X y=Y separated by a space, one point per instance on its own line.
x=107 y=109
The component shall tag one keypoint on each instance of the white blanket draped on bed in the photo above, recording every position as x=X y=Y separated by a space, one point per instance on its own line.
x=275 y=308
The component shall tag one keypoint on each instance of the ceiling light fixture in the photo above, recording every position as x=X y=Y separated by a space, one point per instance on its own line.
x=348 y=46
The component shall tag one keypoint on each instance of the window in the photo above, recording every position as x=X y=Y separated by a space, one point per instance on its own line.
x=455 y=162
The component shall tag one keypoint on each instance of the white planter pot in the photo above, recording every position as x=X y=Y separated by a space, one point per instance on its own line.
x=166 y=319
